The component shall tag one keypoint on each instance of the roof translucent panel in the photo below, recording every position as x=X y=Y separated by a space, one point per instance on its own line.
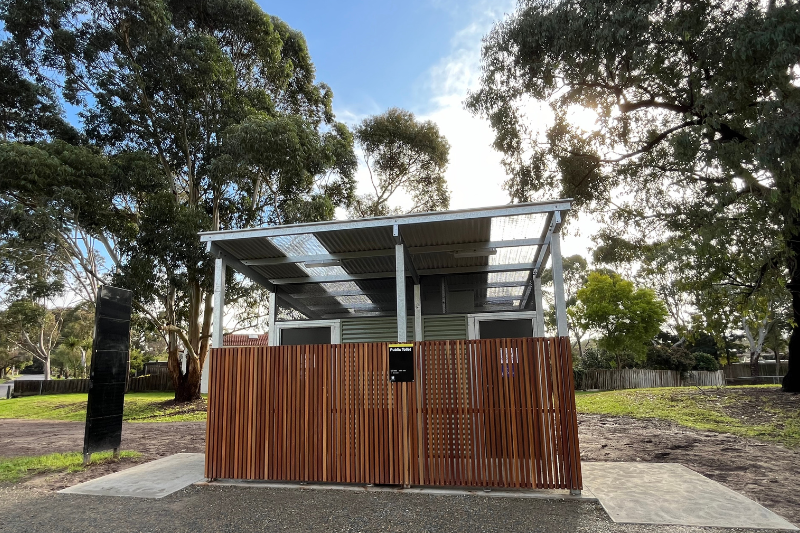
x=513 y=255
x=517 y=227
x=497 y=277
x=504 y=291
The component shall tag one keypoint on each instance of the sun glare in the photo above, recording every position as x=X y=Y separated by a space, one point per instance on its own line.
x=582 y=118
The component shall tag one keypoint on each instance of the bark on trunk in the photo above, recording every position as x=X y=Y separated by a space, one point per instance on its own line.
x=46 y=364
x=791 y=381
x=755 y=369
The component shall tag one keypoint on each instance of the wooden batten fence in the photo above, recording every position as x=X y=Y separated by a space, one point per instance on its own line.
x=637 y=378
x=494 y=413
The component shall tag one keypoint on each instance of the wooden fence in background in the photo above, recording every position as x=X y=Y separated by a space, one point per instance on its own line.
x=151 y=382
x=30 y=387
x=766 y=368
x=637 y=378
x=479 y=413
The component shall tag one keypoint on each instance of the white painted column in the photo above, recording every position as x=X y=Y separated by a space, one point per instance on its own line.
x=558 y=286
x=219 y=302
x=216 y=319
x=273 y=339
x=537 y=298
x=400 y=282
x=418 y=334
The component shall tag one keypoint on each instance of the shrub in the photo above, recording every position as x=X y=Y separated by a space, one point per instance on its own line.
x=669 y=358
x=704 y=361
x=594 y=359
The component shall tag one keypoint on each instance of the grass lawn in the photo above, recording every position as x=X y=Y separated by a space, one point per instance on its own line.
x=13 y=470
x=761 y=412
x=139 y=407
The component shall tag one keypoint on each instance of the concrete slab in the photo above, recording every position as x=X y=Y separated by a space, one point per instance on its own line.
x=155 y=479
x=669 y=493
x=438 y=491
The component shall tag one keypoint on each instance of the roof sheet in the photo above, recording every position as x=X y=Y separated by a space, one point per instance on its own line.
x=341 y=268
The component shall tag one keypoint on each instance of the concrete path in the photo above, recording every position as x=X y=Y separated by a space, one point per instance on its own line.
x=155 y=479
x=661 y=493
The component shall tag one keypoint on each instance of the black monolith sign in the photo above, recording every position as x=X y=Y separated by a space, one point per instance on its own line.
x=401 y=363
x=109 y=371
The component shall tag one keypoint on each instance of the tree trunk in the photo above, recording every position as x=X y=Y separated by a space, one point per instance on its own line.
x=791 y=381
x=755 y=370
x=46 y=365
x=187 y=384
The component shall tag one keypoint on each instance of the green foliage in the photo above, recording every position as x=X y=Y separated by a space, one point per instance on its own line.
x=402 y=153
x=627 y=318
x=697 y=109
x=669 y=358
x=33 y=328
x=15 y=469
x=28 y=110
x=575 y=271
x=595 y=359
x=138 y=358
x=704 y=361
x=198 y=116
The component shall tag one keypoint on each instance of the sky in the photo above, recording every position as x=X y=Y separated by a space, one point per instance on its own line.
x=419 y=55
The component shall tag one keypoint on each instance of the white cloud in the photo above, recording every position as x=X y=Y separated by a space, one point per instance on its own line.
x=475 y=174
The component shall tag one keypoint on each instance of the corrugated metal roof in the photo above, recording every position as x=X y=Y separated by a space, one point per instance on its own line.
x=490 y=251
x=449 y=232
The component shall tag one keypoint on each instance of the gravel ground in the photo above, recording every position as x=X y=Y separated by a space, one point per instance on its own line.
x=222 y=509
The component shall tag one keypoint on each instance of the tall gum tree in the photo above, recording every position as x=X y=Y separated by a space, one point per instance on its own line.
x=164 y=86
x=402 y=153
x=698 y=114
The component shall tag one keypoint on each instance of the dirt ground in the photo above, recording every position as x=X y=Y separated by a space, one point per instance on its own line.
x=763 y=472
x=40 y=437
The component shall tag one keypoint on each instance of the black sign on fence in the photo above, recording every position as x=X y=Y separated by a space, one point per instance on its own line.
x=401 y=363
x=109 y=371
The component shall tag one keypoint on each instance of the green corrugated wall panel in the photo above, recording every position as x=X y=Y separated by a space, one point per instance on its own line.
x=379 y=329
x=384 y=329
x=444 y=327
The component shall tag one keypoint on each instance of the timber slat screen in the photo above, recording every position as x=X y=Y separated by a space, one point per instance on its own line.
x=481 y=413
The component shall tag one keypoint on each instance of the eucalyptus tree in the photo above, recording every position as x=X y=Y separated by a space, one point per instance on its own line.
x=697 y=106
x=207 y=116
x=402 y=153
x=33 y=328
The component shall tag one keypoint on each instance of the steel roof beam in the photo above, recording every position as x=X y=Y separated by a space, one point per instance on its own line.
x=387 y=252
x=261 y=280
x=380 y=222
x=369 y=292
x=515 y=267
x=552 y=225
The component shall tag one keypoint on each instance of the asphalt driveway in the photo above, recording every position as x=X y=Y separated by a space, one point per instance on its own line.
x=224 y=508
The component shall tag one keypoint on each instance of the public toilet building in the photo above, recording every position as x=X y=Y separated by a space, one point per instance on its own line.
x=477 y=396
